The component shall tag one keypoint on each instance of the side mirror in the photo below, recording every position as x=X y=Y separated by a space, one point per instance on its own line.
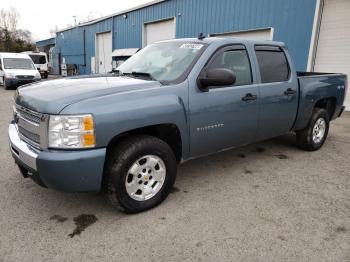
x=215 y=77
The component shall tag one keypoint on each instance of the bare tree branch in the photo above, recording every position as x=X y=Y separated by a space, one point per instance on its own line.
x=9 y=19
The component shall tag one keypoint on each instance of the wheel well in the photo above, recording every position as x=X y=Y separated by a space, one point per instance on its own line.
x=329 y=104
x=169 y=133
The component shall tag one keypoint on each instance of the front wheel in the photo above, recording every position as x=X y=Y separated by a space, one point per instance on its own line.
x=315 y=134
x=6 y=87
x=140 y=173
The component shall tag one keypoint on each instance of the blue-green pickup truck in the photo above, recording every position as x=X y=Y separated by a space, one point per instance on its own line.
x=172 y=101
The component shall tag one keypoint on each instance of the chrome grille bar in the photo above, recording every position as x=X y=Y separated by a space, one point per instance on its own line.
x=31 y=126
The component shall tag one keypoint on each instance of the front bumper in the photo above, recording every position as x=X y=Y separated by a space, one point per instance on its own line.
x=68 y=171
x=10 y=82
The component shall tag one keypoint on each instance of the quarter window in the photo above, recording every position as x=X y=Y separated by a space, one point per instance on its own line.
x=238 y=62
x=273 y=64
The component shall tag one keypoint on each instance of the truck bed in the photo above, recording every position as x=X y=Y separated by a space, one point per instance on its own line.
x=315 y=86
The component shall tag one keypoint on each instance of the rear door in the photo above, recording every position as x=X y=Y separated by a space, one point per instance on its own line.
x=225 y=116
x=278 y=90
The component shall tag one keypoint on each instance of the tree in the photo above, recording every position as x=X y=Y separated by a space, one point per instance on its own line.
x=13 y=39
x=9 y=19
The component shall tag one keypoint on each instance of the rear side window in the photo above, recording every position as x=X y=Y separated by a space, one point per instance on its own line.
x=238 y=62
x=273 y=64
x=38 y=59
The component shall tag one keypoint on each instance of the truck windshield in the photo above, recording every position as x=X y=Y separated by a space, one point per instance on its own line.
x=38 y=59
x=166 y=62
x=18 y=63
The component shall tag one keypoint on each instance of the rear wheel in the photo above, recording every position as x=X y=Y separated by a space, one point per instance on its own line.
x=315 y=134
x=140 y=173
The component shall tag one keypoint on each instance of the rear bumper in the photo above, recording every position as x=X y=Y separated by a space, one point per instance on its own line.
x=68 y=171
x=44 y=72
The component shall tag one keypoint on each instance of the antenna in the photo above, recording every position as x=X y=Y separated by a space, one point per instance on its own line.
x=201 y=36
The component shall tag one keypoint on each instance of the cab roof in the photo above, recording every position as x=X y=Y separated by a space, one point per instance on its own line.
x=228 y=40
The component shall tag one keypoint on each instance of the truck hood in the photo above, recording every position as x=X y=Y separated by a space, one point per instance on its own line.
x=52 y=96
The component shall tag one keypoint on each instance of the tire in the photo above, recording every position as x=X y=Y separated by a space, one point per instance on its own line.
x=319 y=124
x=4 y=84
x=121 y=180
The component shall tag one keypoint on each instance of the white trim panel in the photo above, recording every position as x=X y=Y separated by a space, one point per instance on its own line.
x=257 y=33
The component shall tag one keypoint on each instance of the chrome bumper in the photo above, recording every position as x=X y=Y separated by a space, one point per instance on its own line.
x=21 y=151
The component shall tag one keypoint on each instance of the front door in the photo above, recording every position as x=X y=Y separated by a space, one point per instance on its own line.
x=225 y=116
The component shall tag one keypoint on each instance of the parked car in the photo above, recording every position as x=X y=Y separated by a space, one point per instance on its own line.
x=170 y=102
x=17 y=69
x=40 y=61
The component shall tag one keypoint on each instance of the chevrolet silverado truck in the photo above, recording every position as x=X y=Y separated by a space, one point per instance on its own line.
x=172 y=101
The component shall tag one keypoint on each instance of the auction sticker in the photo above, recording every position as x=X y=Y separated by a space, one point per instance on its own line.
x=192 y=46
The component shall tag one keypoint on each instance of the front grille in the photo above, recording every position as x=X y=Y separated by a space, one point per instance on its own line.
x=20 y=77
x=28 y=115
x=22 y=82
x=32 y=126
x=29 y=135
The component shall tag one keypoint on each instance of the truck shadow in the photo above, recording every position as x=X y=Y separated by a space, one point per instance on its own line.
x=189 y=173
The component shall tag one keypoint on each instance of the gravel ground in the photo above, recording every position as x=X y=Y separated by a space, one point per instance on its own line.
x=265 y=202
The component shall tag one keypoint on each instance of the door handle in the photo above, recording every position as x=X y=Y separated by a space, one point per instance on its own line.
x=249 y=97
x=289 y=92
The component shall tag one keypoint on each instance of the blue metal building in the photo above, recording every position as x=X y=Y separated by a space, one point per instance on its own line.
x=45 y=45
x=290 y=21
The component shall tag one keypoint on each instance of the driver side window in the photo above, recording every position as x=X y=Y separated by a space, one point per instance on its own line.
x=238 y=62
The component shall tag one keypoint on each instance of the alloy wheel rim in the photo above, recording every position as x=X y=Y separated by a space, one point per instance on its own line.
x=145 y=177
x=319 y=130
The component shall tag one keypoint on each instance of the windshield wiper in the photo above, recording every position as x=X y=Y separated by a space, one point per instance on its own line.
x=115 y=72
x=139 y=74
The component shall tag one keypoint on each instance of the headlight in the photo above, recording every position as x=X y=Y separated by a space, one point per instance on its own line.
x=71 y=131
x=10 y=75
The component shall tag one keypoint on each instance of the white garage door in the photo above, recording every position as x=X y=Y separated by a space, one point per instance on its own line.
x=103 y=59
x=158 y=31
x=333 y=49
x=261 y=34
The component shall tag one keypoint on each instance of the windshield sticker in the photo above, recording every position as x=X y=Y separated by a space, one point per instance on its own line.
x=192 y=46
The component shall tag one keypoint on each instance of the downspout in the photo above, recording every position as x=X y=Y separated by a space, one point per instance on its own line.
x=315 y=35
x=84 y=42
x=318 y=34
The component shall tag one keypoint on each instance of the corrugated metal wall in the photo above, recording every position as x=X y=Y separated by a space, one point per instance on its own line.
x=292 y=21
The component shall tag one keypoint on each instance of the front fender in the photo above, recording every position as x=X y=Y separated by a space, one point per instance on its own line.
x=117 y=114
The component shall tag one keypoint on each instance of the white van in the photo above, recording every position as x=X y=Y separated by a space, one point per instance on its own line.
x=40 y=62
x=17 y=69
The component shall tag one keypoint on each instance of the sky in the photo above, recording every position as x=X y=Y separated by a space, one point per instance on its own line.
x=40 y=16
